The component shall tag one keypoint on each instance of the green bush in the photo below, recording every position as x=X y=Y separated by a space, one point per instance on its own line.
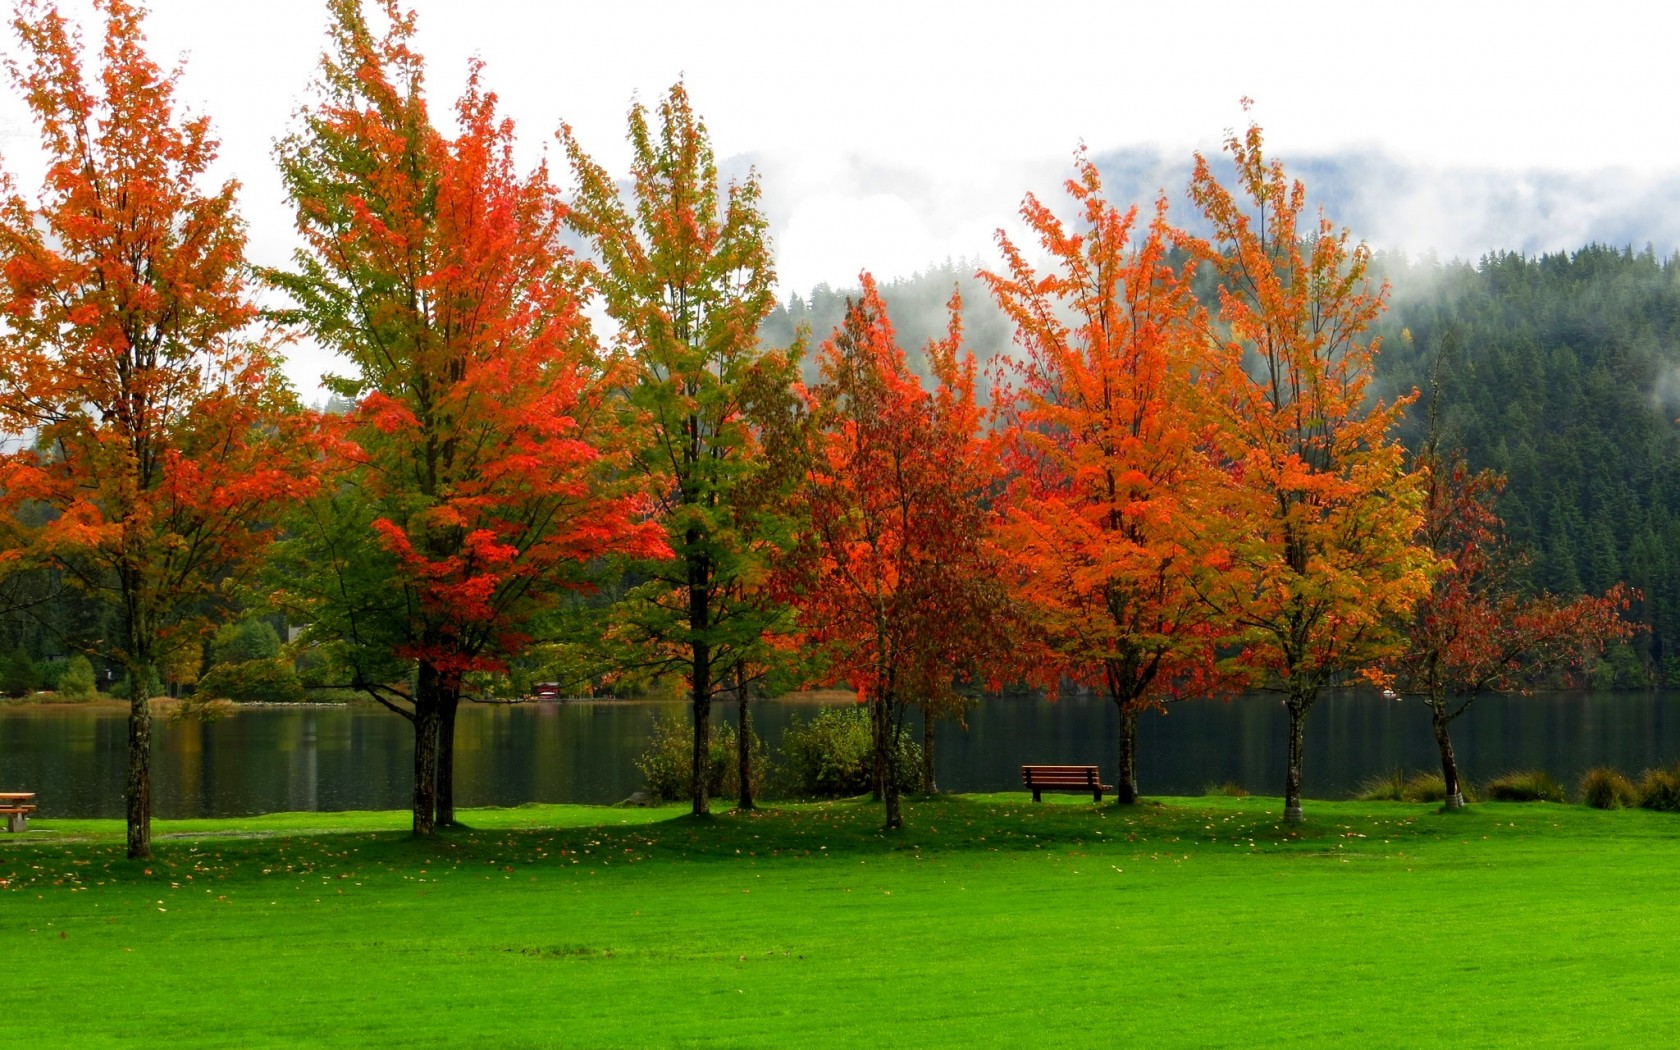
x=831 y=756
x=77 y=681
x=1528 y=785
x=667 y=766
x=271 y=681
x=1606 y=788
x=244 y=641
x=51 y=671
x=1229 y=789
x=1659 y=789
x=124 y=689
x=1620 y=668
x=18 y=674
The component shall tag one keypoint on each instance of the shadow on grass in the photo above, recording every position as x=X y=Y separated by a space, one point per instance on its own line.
x=599 y=837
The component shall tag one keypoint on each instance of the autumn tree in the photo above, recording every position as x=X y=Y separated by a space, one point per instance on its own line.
x=1109 y=529
x=1324 y=559
x=1477 y=631
x=907 y=596
x=162 y=445
x=685 y=271
x=481 y=464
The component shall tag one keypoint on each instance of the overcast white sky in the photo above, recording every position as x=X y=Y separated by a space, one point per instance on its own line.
x=891 y=135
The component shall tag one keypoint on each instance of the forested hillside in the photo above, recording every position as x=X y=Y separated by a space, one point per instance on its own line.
x=1560 y=371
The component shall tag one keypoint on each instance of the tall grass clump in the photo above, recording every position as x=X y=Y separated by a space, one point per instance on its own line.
x=1526 y=785
x=1425 y=787
x=1395 y=786
x=1383 y=788
x=1606 y=788
x=1659 y=789
x=1229 y=789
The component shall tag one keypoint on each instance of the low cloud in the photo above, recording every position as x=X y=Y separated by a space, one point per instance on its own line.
x=832 y=216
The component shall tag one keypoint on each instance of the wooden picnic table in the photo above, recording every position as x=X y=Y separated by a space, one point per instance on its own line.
x=17 y=805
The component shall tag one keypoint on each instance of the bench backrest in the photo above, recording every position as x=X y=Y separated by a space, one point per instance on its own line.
x=1059 y=774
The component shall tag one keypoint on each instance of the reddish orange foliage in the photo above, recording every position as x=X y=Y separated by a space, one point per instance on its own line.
x=906 y=595
x=485 y=446
x=162 y=443
x=1108 y=438
x=1323 y=513
x=1475 y=631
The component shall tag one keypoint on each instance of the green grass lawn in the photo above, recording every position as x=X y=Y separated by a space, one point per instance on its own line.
x=988 y=922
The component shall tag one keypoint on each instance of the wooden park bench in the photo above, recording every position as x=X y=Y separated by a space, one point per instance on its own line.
x=17 y=805
x=1064 y=778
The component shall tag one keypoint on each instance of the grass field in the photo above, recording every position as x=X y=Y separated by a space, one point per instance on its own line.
x=988 y=922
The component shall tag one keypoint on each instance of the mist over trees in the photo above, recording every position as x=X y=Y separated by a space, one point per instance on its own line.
x=1561 y=372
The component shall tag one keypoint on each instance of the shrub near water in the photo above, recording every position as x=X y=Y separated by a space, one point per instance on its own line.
x=1528 y=785
x=264 y=681
x=667 y=766
x=77 y=681
x=18 y=674
x=831 y=756
x=1606 y=788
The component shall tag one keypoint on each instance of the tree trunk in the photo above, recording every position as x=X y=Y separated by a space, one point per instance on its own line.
x=743 y=739
x=1125 y=784
x=1292 y=778
x=702 y=678
x=139 y=796
x=425 y=768
x=699 y=569
x=878 y=737
x=1449 y=764
x=930 y=786
x=895 y=814
x=449 y=701
x=427 y=702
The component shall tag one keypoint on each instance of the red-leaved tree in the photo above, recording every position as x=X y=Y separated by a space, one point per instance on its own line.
x=906 y=595
x=483 y=462
x=160 y=443
x=1477 y=631
x=1108 y=529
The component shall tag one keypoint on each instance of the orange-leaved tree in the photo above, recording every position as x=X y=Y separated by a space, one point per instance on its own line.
x=906 y=594
x=685 y=270
x=1477 y=631
x=161 y=439
x=1325 y=559
x=1109 y=528
x=484 y=459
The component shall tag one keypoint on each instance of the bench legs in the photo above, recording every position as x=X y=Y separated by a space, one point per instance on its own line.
x=17 y=822
x=1035 y=796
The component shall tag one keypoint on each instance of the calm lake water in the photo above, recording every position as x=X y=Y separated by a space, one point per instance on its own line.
x=330 y=758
